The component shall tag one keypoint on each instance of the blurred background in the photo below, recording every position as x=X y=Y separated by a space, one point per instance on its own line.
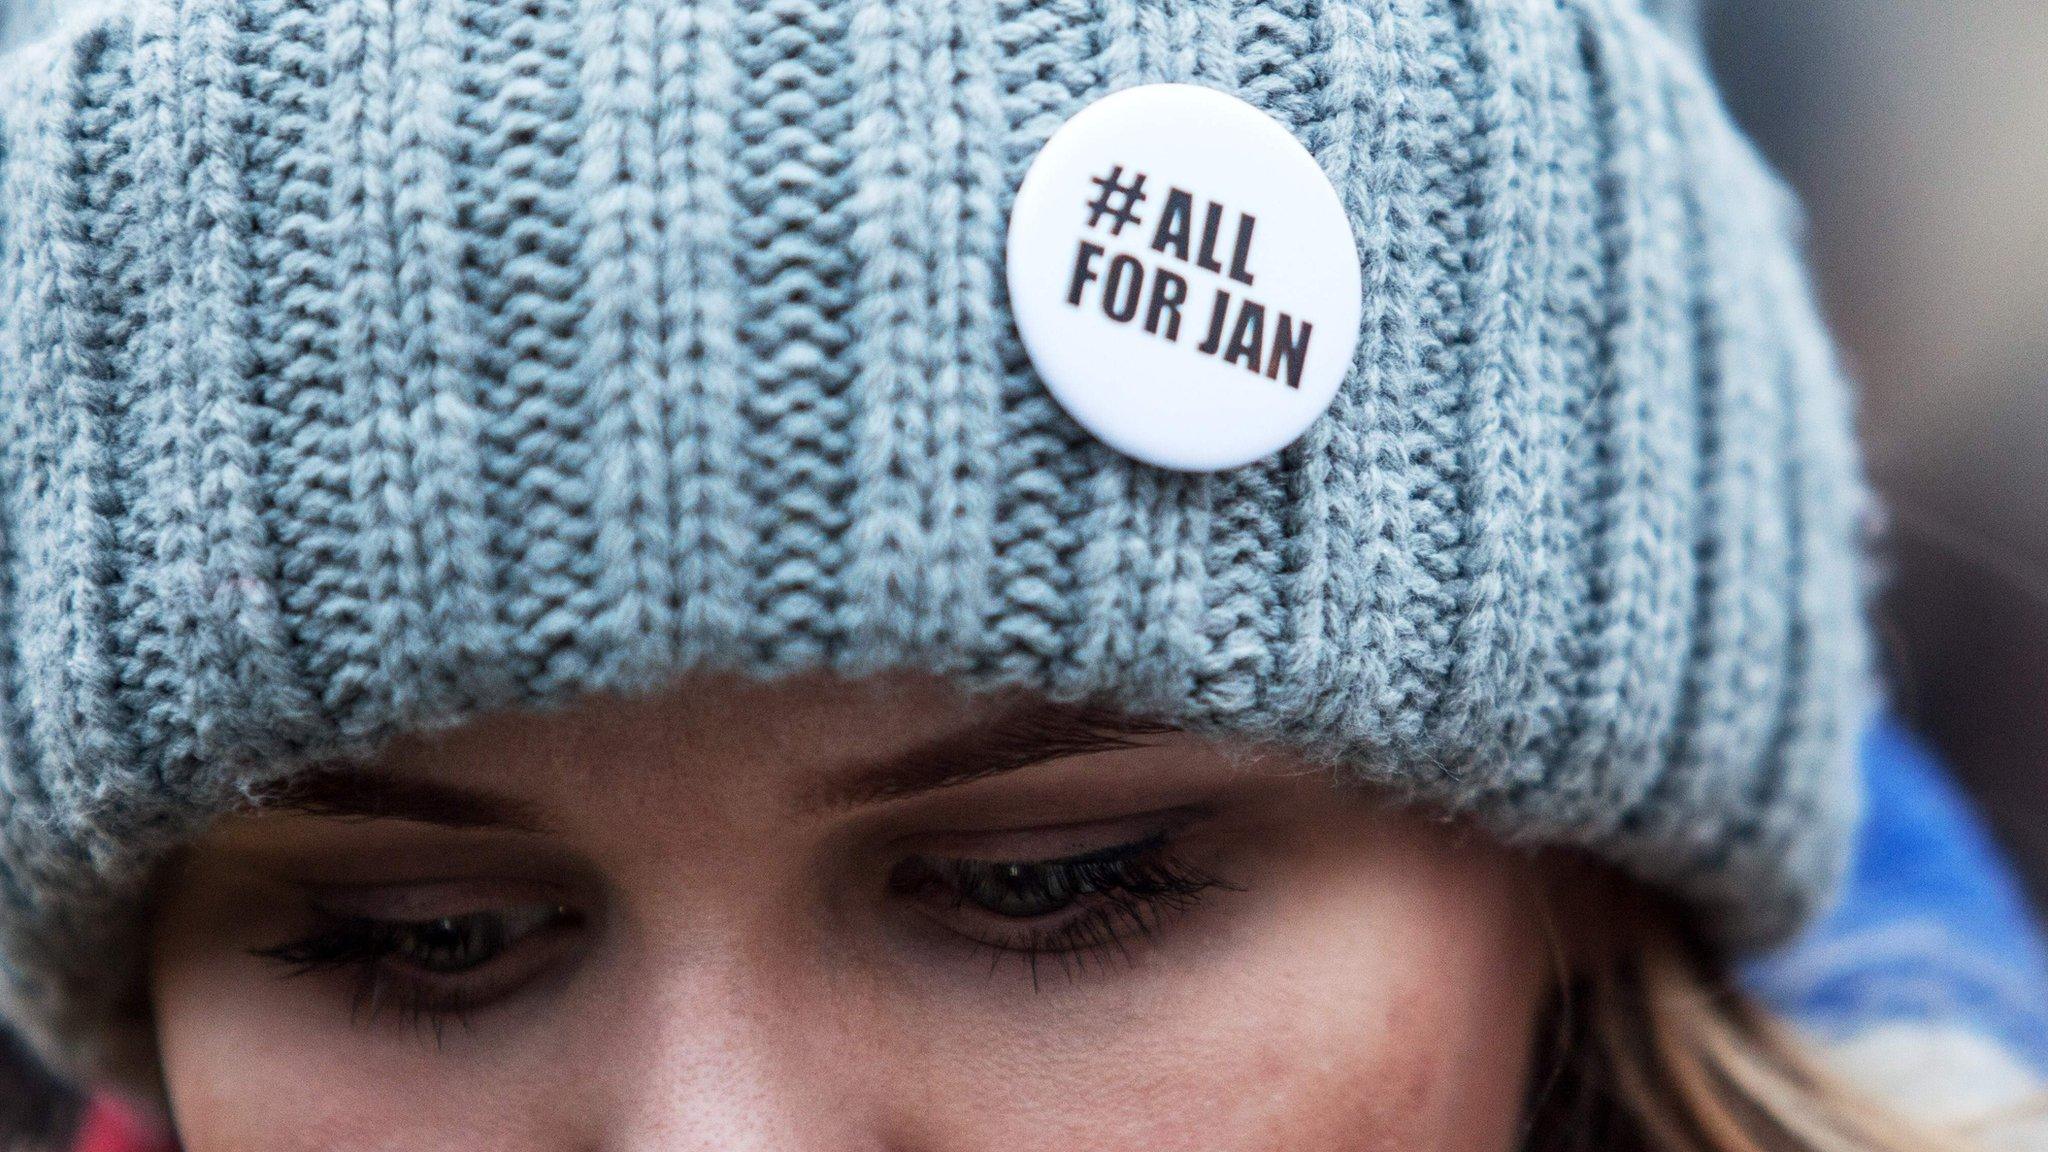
x=1917 y=133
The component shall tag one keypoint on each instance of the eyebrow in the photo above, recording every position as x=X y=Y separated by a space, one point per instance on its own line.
x=1033 y=734
x=357 y=793
x=1026 y=736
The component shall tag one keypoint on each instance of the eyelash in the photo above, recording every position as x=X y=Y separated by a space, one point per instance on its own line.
x=1101 y=900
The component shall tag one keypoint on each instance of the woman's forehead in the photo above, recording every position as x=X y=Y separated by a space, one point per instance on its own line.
x=708 y=717
x=798 y=747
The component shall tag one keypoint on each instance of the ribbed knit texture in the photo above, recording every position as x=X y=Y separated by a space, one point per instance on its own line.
x=369 y=364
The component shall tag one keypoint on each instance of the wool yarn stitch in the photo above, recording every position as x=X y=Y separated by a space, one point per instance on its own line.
x=367 y=365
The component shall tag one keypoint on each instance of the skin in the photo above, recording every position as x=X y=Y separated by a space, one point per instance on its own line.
x=753 y=952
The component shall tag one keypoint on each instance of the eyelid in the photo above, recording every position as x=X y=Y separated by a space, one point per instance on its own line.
x=433 y=900
x=312 y=855
x=1048 y=842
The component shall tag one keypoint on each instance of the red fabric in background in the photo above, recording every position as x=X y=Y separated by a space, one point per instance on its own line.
x=108 y=1126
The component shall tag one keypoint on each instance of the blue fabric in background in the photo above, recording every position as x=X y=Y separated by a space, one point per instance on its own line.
x=1933 y=927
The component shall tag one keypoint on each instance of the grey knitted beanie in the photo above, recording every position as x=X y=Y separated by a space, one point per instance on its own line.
x=367 y=365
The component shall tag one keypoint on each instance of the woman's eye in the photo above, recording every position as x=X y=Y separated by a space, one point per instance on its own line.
x=460 y=943
x=1019 y=890
x=432 y=969
x=443 y=945
x=1072 y=907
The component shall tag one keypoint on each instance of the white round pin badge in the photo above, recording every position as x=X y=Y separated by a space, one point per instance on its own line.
x=1184 y=277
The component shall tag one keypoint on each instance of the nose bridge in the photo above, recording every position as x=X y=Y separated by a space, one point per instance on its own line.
x=740 y=1052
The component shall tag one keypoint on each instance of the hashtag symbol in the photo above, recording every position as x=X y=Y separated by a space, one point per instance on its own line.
x=1117 y=201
